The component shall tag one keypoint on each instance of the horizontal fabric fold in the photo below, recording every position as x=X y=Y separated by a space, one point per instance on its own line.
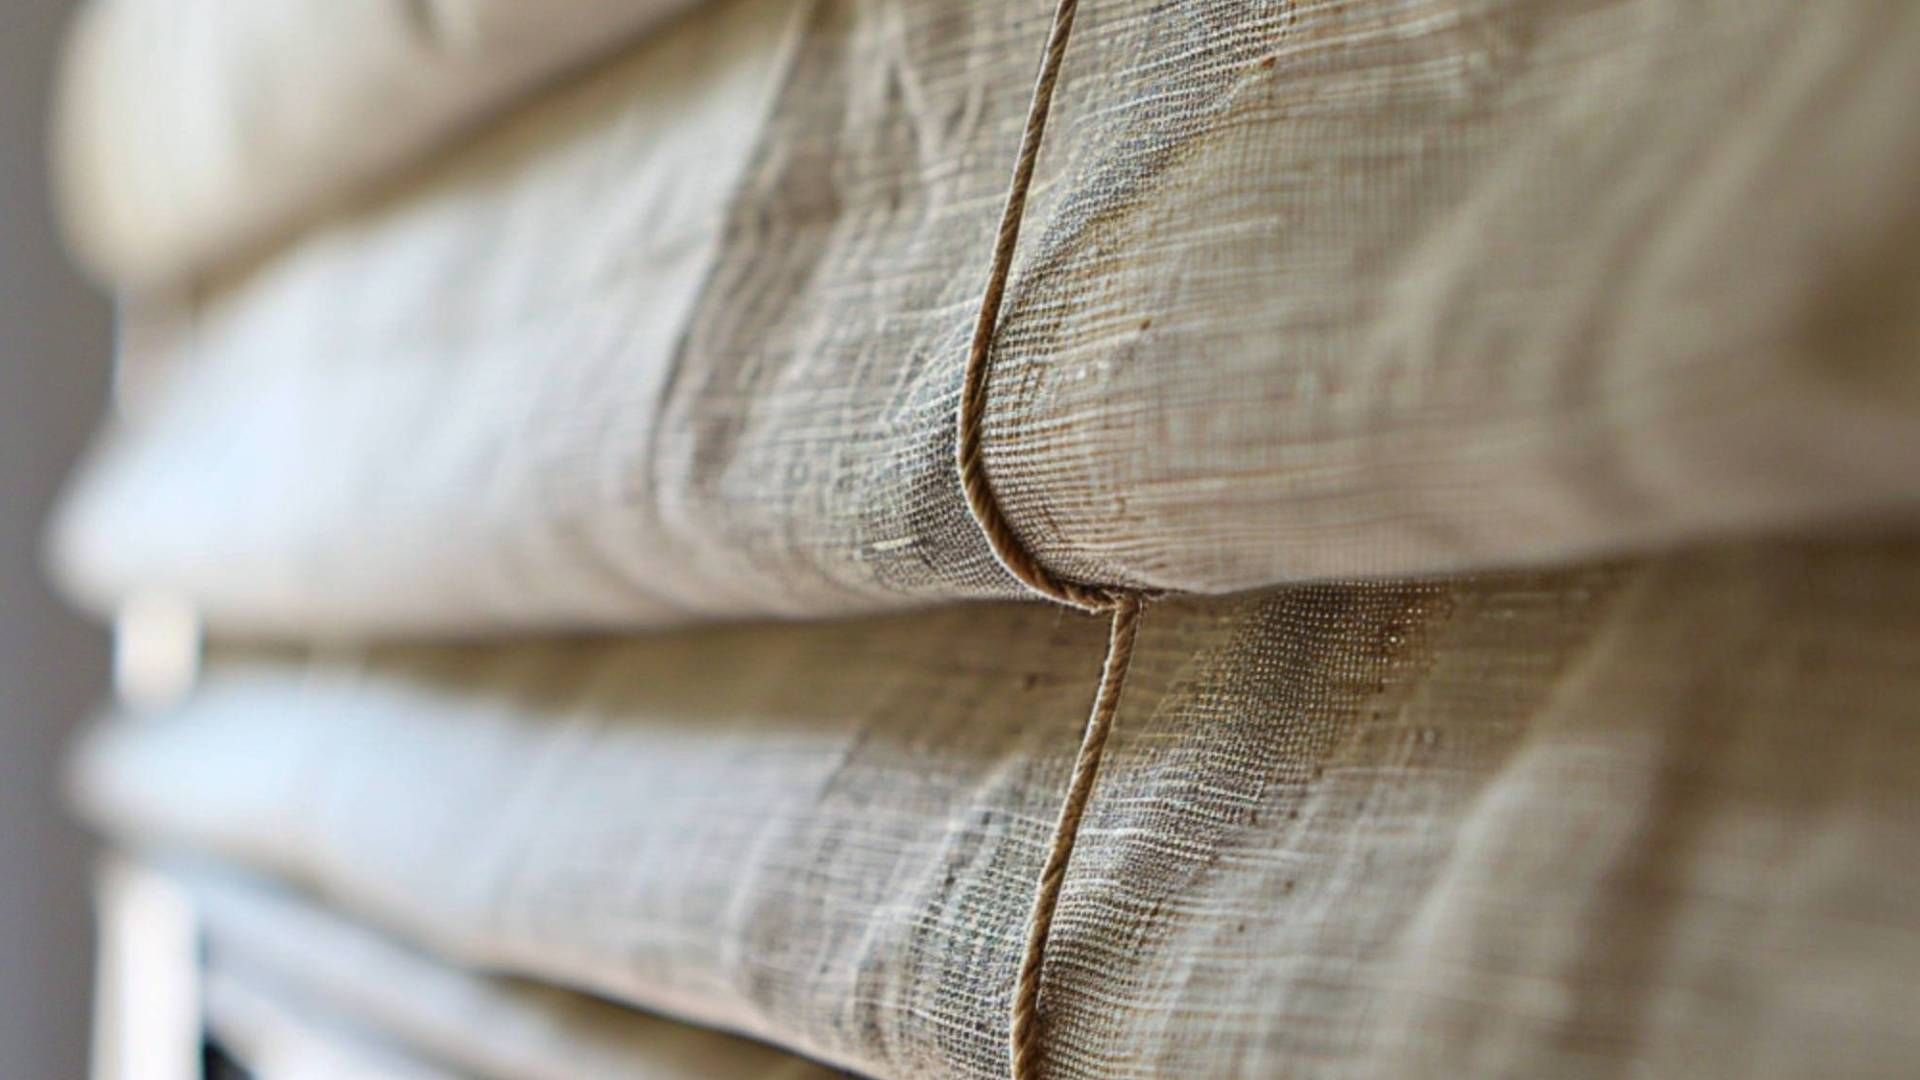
x=194 y=131
x=1651 y=814
x=1305 y=292
x=277 y=947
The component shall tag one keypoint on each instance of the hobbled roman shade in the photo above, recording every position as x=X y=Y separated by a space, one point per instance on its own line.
x=1304 y=291
x=1489 y=424
x=1649 y=815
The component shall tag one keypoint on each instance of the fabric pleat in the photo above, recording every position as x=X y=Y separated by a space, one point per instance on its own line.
x=192 y=133
x=276 y=960
x=1650 y=815
x=1304 y=292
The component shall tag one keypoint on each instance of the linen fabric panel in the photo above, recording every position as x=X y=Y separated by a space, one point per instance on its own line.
x=300 y=960
x=1652 y=813
x=1306 y=291
x=190 y=133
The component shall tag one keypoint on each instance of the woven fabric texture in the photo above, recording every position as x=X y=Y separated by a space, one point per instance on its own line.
x=312 y=962
x=1652 y=816
x=1306 y=291
x=191 y=132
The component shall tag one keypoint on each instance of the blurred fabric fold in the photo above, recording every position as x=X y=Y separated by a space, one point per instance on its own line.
x=274 y=958
x=1652 y=815
x=192 y=132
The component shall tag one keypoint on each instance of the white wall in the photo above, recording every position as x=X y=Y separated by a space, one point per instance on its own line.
x=54 y=341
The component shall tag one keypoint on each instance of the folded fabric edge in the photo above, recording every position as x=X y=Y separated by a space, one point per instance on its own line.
x=169 y=159
x=267 y=935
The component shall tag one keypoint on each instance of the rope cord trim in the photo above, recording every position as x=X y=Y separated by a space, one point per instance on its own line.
x=973 y=388
x=1124 y=605
x=1024 y=1026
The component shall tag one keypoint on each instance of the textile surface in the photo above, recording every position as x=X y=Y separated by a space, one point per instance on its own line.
x=312 y=962
x=1654 y=816
x=193 y=131
x=1306 y=291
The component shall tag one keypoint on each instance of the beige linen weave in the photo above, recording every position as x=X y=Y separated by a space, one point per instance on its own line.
x=312 y=963
x=1306 y=290
x=190 y=131
x=1653 y=817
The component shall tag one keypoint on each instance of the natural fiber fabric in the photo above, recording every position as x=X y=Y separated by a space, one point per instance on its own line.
x=1402 y=287
x=1305 y=291
x=1653 y=816
x=316 y=963
x=432 y=447
x=195 y=130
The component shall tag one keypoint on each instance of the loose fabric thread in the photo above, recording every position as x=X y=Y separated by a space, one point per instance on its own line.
x=1024 y=1042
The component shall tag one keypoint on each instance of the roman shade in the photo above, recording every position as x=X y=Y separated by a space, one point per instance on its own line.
x=621 y=487
x=1305 y=292
x=1649 y=815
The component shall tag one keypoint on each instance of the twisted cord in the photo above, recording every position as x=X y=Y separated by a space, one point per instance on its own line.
x=1006 y=546
x=1024 y=1043
x=1024 y=1029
